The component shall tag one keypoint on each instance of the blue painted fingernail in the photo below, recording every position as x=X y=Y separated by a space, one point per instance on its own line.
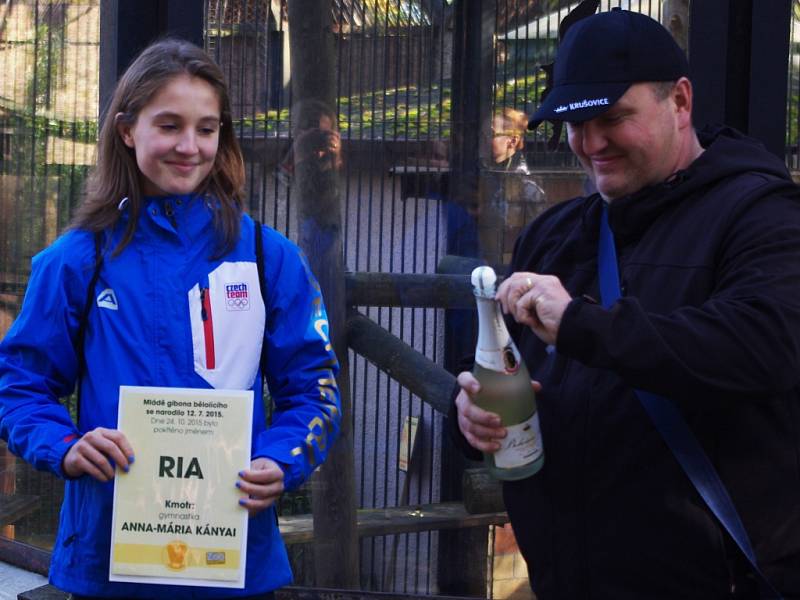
x=131 y=459
x=242 y=501
x=238 y=484
x=126 y=469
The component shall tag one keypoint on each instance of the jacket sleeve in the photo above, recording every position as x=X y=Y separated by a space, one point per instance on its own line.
x=301 y=368
x=38 y=363
x=743 y=341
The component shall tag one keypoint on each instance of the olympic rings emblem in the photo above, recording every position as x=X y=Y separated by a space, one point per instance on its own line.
x=238 y=304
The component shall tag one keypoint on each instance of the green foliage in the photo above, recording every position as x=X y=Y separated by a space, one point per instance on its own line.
x=520 y=92
x=41 y=191
x=402 y=113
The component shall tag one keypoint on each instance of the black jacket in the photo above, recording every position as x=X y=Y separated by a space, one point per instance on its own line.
x=710 y=318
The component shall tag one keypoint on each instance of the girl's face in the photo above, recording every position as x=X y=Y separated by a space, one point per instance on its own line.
x=176 y=136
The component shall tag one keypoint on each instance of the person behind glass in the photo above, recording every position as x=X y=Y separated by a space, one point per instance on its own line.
x=506 y=182
x=317 y=144
x=706 y=228
x=166 y=200
x=508 y=131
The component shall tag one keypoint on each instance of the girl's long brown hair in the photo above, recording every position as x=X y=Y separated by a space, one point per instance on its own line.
x=116 y=175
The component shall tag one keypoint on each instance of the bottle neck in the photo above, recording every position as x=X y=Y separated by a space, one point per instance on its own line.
x=493 y=336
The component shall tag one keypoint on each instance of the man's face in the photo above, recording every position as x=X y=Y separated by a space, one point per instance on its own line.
x=636 y=143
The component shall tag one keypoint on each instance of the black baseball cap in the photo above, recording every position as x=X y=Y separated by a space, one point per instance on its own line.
x=600 y=57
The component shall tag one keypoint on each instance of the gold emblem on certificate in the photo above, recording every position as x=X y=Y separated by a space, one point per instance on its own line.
x=176 y=517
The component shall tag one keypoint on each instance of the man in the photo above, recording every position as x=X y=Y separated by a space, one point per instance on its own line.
x=707 y=236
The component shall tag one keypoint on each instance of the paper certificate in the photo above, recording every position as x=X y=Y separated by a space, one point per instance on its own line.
x=177 y=518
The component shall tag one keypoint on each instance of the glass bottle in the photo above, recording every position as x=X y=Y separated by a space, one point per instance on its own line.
x=505 y=387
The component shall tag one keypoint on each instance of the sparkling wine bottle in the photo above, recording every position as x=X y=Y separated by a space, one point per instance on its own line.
x=505 y=387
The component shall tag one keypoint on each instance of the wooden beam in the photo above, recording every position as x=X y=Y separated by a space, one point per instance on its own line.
x=297 y=529
x=15 y=506
x=401 y=362
x=49 y=592
x=409 y=290
x=305 y=593
x=25 y=556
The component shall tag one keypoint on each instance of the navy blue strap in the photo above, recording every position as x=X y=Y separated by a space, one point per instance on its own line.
x=262 y=284
x=673 y=428
x=83 y=324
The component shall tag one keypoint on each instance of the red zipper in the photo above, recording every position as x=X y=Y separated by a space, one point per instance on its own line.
x=208 y=327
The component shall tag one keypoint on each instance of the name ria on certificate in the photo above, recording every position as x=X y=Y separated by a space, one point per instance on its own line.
x=177 y=518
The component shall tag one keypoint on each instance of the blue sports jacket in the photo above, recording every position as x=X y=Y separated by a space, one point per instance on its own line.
x=147 y=327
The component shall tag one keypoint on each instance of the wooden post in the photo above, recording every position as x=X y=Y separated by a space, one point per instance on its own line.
x=120 y=43
x=462 y=554
x=482 y=492
x=313 y=70
x=738 y=57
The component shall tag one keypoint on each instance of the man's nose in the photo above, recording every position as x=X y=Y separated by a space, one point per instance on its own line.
x=593 y=139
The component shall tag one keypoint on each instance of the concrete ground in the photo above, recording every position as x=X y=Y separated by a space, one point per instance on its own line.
x=14 y=581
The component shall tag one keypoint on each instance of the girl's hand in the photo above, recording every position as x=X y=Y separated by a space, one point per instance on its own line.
x=96 y=453
x=263 y=484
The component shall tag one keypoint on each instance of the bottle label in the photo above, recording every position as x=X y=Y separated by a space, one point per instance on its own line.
x=521 y=446
x=505 y=360
x=495 y=350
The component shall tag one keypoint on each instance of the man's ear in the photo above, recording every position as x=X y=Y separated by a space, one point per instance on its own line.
x=124 y=130
x=682 y=97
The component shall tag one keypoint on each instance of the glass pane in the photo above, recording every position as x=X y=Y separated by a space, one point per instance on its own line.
x=428 y=96
x=49 y=57
x=413 y=127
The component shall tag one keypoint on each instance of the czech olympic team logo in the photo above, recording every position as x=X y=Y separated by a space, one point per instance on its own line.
x=236 y=296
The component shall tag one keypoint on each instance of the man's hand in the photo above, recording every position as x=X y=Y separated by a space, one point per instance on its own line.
x=96 y=453
x=263 y=484
x=482 y=429
x=538 y=301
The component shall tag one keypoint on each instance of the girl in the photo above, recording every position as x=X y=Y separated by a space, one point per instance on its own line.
x=154 y=248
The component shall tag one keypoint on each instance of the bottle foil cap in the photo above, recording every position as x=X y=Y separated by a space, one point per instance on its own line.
x=483 y=282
